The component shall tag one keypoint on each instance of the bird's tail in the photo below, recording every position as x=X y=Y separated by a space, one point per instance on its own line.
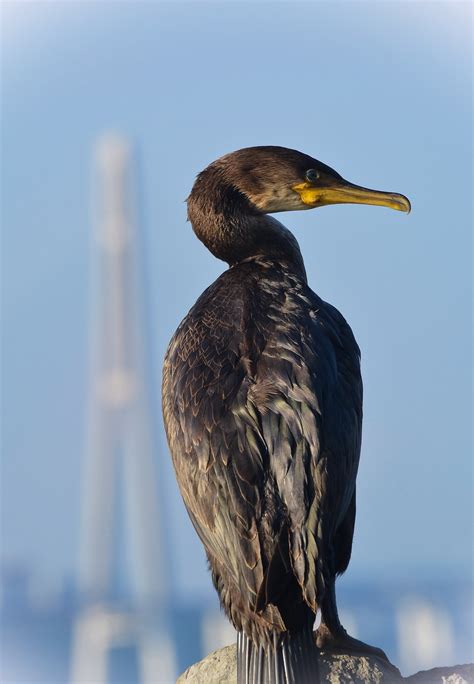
x=291 y=659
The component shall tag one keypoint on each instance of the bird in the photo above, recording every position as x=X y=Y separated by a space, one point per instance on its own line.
x=262 y=406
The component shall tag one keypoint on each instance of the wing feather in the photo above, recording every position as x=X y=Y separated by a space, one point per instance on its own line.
x=262 y=402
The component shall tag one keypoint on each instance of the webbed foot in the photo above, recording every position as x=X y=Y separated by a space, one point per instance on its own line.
x=341 y=642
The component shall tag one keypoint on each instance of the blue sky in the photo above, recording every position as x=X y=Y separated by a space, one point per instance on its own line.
x=380 y=91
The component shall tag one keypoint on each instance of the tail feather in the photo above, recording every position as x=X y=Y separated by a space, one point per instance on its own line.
x=292 y=658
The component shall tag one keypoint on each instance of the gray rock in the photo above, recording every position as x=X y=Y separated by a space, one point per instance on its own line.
x=220 y=667
x=458 y=674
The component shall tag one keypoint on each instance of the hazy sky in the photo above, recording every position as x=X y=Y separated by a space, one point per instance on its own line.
x=381 y=92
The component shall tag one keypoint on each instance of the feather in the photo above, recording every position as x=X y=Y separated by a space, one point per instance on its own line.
x=262 y=406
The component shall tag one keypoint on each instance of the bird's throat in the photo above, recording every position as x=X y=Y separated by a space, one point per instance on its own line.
x=234 y=230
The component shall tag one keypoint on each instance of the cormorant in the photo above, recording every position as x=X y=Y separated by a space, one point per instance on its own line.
x=262 y=403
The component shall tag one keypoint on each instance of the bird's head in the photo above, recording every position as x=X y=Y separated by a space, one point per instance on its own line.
x=230 y=198
x=278 y=179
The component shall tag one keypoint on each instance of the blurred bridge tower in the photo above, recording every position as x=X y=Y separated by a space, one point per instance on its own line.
x=122 y=571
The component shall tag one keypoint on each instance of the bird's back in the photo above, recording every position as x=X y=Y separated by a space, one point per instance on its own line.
x=262 y=402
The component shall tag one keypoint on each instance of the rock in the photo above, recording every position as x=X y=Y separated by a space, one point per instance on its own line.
x=220 y=667
x=458 y=674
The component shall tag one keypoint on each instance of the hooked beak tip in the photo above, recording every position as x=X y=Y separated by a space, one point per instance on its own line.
x=403 y=202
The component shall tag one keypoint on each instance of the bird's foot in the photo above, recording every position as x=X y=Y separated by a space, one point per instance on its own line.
x=341 y=642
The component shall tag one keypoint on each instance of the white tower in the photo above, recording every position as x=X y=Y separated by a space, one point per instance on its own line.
x=119 y=469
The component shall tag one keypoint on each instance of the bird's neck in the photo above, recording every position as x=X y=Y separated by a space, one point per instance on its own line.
x=234 y=230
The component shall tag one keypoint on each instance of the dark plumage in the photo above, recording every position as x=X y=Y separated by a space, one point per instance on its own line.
x=262 y=401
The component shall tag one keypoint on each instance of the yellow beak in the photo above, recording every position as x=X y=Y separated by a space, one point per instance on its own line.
x=342 y=192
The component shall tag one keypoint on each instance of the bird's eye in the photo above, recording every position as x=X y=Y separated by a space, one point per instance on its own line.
x=312 y=175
